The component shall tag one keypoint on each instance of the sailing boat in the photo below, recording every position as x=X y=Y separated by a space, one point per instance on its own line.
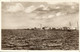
x=73 y=28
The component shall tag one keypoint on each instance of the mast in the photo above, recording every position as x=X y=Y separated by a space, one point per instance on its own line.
x=70 y=25
x=40 y=26
x=77 y=25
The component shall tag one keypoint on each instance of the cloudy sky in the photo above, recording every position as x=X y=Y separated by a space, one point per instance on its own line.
x=23 y=15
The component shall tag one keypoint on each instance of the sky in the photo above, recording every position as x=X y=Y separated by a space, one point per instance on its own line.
x=18 y=16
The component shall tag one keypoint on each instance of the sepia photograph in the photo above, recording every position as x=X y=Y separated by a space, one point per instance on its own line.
x=46 y=25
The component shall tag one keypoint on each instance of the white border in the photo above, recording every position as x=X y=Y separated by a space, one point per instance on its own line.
x=36 y=50
x=0 y=25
